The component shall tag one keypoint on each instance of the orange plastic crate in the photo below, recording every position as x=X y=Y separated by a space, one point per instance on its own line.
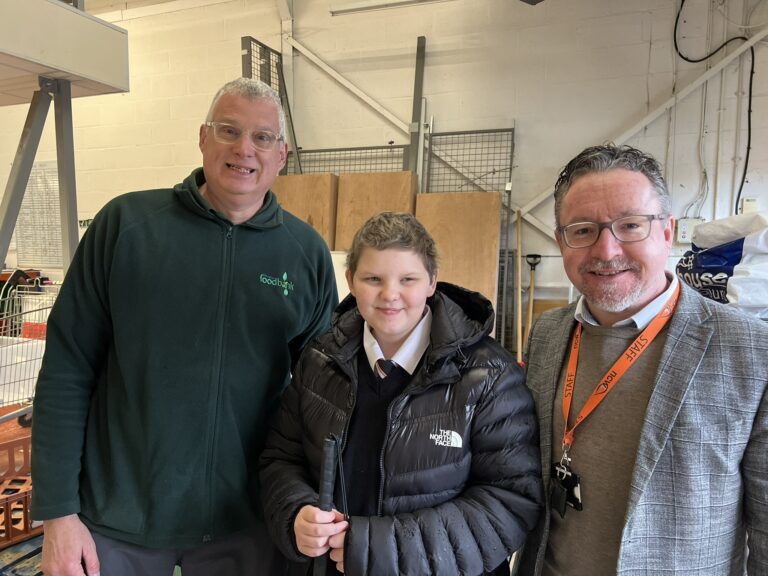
x=16 y=493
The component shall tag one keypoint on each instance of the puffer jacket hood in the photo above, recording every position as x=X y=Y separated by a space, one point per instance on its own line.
x=460 y=318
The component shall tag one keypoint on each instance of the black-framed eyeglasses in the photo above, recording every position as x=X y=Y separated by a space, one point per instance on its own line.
x=229 y=134
x=625 y=229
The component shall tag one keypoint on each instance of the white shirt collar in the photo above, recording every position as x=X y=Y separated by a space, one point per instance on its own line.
x=410 y=352
x=641 y=318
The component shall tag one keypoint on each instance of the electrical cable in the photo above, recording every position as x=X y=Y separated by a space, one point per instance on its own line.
x=749 y=133
x=715 y=51
x=749 y=99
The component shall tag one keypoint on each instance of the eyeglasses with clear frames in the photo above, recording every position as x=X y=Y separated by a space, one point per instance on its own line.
x=229 y=134
x=625 y=229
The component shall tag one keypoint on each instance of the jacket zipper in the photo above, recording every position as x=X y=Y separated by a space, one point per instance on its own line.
x=345 y=429
x=409 y=391
x=227 y=267
x=380 y=503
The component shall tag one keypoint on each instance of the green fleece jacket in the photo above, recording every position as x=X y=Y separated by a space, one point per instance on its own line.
x=167 y=350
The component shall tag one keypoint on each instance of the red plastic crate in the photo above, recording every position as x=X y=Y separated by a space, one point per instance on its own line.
x=34 y=330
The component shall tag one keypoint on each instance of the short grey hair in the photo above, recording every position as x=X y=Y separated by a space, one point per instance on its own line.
x=611 y=157
x=250 y=89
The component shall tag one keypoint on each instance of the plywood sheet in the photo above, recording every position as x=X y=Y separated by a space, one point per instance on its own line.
x=466 y=227
x=313 y=198
x=363 y=195
x=539 y=307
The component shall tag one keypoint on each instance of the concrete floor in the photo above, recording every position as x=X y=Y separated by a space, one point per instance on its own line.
x=23 y=559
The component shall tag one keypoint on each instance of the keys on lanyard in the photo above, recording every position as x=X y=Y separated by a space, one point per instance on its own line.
x=564 y=486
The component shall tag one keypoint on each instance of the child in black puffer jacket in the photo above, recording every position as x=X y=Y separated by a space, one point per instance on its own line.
x=436 y=429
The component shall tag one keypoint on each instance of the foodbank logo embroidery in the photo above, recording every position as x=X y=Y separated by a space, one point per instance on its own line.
x=284 y=283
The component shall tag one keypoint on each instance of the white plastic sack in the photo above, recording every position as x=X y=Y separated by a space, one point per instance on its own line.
x=728 y=262
x=709 y=234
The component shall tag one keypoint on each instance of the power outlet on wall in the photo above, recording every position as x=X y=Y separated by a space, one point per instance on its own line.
x=685 y=228
x=749 y=205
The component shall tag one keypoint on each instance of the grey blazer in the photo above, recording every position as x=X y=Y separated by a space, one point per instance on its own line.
x=698 y=504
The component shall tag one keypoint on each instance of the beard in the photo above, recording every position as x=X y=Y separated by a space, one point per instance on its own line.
x=608 y=296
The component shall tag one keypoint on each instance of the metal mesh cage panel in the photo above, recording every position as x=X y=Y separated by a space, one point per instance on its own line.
x=340 y=160
x=475 y=161
x=261 y=62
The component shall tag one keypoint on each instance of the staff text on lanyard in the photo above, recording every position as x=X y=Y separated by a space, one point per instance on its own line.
x=565 y=486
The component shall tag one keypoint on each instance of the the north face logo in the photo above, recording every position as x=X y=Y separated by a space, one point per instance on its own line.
x=447 y=438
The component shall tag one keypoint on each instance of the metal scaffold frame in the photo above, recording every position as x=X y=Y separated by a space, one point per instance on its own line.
x=59 y=91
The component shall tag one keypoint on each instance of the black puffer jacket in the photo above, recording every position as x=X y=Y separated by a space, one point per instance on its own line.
x=461 y=479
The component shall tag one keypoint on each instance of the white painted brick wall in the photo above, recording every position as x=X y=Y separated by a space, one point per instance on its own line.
x=566 y=74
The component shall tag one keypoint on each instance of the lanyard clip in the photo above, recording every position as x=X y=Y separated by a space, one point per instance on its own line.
x=563 y=469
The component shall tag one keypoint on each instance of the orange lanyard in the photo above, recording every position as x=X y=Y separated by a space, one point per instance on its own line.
x=615 y=372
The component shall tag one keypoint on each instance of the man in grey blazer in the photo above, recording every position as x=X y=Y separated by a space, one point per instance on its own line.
x=651 y=399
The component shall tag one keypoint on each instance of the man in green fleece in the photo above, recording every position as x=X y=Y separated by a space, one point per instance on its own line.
x=171 y=341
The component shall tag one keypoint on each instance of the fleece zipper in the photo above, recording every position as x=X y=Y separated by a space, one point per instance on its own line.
x=217 y=372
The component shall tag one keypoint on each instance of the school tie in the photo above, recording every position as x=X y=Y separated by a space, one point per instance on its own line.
x=384 y=368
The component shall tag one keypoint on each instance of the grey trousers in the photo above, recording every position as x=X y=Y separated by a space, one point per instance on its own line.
x=238 y=555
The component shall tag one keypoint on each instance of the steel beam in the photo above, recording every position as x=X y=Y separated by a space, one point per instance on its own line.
x=22 y=167
x=246 y=67
x=389 y=116
x=65 y=160
x=366 y=5
x=286 y=51
x=284 y=9
x=416 y=116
